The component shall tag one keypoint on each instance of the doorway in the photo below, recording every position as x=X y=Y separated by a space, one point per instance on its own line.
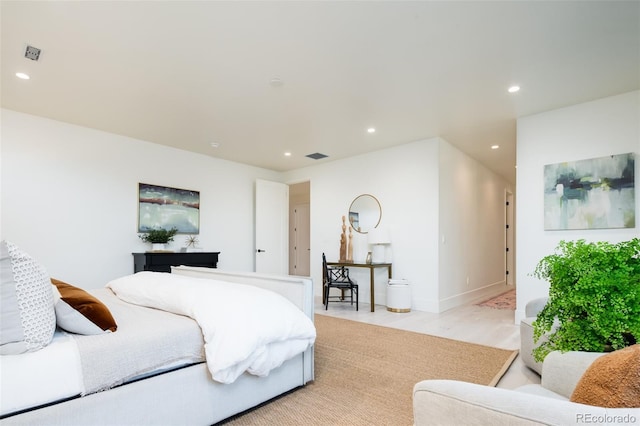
x=300 y=229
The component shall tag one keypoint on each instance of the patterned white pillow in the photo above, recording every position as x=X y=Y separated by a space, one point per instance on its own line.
x=28 y=318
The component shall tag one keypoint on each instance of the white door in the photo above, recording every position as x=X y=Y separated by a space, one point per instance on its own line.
x=272 y=226
x=301 y=241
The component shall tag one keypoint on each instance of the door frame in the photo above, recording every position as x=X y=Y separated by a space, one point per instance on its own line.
x=299 y=193
x=510 y=238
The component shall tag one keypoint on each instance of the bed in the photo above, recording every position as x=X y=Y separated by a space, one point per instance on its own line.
x=178 y=390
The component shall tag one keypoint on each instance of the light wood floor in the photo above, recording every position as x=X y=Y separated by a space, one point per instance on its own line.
x=469 y=323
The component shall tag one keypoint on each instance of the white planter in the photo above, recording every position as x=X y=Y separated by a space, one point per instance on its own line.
x=158 y=247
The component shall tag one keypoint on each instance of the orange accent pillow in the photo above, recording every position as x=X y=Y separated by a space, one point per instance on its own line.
x=79 y=312
x=612 y=381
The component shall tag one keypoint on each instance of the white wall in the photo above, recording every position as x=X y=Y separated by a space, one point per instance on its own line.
x=472 y=229
x=405 y=181
x=69 y=197
x=427 y=189
x=594 y=129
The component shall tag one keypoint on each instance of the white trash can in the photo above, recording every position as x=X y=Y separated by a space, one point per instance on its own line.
x=398 y=296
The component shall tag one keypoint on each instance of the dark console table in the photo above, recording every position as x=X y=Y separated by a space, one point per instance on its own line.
x=163 y=261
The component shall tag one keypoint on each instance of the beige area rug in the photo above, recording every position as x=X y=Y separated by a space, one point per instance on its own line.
x=505 y=300
x=364 y=375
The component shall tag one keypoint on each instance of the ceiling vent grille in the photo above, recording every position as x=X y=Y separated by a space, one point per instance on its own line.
x=32 y=53
x=316 y=156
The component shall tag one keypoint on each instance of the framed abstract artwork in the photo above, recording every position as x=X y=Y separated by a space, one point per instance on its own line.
x=164 y=207
x=590 y=194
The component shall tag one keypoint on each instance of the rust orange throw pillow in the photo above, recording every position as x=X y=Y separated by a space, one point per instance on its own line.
x=79 y=312
x=612 y=381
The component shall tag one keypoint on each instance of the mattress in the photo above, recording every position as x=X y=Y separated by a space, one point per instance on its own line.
x=35 y=378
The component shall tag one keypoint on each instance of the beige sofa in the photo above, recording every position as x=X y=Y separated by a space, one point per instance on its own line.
x=448 y=402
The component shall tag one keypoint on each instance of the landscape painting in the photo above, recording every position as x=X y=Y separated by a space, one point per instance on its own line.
x=163 y=207
x=590 y=194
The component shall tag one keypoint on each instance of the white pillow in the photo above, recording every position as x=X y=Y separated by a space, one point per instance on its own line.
x=79 y=312
x=27 y=315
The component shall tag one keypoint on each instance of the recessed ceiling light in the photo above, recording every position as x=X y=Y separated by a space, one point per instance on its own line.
x=371 y=130
x=276 y=82
x=514 y=89
x=287 y=154
x=214 y=144
x=22 y=76
x=495 y=146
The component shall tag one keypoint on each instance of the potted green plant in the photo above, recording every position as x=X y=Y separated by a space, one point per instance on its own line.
x=594 y=297
x=158 y=237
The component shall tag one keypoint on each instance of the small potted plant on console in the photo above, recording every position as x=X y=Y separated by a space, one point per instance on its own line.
x=158 y=237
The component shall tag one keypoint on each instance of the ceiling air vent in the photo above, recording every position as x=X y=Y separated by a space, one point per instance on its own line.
x=32 y=53
x=316 y=156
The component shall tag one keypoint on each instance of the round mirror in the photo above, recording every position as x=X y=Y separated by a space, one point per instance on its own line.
x=365 y=213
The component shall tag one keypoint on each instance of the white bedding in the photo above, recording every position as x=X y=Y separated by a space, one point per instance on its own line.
x=147 y=341
x=35 y=378
x=245 y=328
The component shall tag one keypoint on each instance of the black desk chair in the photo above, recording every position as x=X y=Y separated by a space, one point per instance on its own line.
x=337 y=278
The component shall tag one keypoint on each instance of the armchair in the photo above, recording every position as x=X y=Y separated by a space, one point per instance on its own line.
x=448 y=402
x=527 y=344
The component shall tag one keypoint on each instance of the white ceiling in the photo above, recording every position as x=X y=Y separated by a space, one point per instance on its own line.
x=187 y=74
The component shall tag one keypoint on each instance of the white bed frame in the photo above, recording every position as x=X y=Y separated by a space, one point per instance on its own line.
x=188 y=396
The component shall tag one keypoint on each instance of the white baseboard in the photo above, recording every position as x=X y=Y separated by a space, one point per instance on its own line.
x=425 y=305
x=475 y=295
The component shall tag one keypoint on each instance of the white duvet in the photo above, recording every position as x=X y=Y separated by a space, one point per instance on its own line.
x=245 y=328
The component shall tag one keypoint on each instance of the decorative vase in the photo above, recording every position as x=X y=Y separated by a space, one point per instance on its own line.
x=157 y=246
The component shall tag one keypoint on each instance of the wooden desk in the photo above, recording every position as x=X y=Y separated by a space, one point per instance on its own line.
x=371 y=267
